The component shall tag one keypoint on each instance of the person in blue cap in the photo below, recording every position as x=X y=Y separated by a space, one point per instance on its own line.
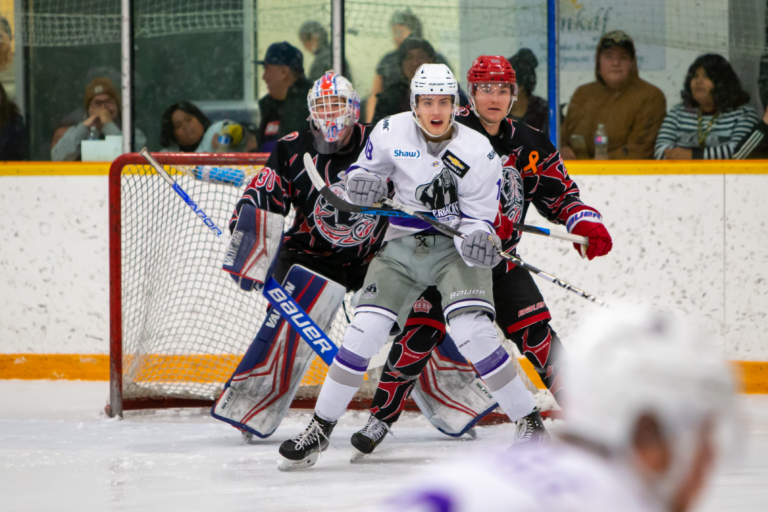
x=284 y=109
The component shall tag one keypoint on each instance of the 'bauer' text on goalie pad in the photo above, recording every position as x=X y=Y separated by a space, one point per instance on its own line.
x=262 y=388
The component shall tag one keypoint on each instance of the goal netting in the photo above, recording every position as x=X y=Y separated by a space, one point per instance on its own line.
x=179 y=325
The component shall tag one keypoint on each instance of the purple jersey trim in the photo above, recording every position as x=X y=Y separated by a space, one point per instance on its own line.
x=352 y=360
x=490 y=363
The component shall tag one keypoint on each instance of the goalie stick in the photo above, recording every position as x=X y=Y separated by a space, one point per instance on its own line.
x=342 y=205
x=280 y=299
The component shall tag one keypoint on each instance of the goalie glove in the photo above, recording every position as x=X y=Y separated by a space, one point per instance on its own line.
x=588 y=222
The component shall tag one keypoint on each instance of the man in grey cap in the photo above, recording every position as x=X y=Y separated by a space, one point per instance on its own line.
x=284 y=109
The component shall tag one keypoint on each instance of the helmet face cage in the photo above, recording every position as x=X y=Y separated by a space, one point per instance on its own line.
x=333 y=106
x=434 y=80
x=491 y=70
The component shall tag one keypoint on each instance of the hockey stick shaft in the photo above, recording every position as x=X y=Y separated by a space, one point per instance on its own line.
x=342 y=205
x=277 y=296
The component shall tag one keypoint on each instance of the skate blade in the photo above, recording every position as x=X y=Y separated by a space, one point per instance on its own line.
x=247 y=436
x=357 y=456
x=297 y=465
x=471 y=433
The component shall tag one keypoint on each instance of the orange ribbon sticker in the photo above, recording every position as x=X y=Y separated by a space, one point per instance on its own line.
x=533 y=158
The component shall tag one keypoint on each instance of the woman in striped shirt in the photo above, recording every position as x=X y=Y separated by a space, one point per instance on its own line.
x=713 y=117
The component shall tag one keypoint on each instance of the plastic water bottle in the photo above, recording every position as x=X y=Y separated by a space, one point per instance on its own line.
x=94 y=134
x=220 y=175
x=224 y=139
x=601 y=143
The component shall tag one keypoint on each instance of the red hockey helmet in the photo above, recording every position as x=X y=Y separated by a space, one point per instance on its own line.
x=488 y=69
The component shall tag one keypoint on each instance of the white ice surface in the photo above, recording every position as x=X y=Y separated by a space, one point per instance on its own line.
x=58 y=451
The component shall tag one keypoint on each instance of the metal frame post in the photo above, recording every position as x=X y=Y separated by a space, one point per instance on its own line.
x=337 y=31
x=249 y=47
x=553 y=70
x=18 y=57
x=126 y=41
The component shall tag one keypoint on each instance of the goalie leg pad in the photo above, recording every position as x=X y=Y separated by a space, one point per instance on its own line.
x=258 y=395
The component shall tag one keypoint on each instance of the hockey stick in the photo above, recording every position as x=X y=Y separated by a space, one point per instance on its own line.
x=280 y=299
x=342 y=205
x=376 y=209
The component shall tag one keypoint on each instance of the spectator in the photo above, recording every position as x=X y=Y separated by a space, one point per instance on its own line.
x=71 y=119
x=630 y=108
x=314 y=38
x=284 y=109
x=388 y=70
x=251 y=137
x=714 y=116
x=182 y=127
x=12 y=140
x=396 y=97
x=102 y=104
x=756 y=145
x=529 y=109
x=6 y=58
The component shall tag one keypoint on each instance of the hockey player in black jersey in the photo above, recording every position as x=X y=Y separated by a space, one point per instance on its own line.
x=533 y=173
x=336 y=245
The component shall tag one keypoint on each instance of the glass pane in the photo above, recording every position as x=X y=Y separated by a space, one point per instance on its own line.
x=191 y=51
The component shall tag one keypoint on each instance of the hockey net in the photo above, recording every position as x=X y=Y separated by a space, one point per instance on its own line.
x=179 y=325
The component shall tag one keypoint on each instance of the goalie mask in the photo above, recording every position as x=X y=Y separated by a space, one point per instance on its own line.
x=434 y=80
x=489 y=72
x=334 y=107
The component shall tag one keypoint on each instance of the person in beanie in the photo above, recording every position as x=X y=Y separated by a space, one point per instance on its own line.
x=102 y=104
x=284 y=109
x=529 y=109
x=630 y=108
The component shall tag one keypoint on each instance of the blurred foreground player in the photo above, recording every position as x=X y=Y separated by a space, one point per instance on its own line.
x=451 y=172
x=332 y=247
x=533 y=172
x=650 y=407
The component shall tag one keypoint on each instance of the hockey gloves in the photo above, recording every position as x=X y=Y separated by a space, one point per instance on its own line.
x=481 y=249
x=589 y=223
x=364 y=188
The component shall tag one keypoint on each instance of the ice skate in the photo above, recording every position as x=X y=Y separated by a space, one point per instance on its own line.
x=247 y=436
x=530 y=429
x=303 y=450
x=369 y=437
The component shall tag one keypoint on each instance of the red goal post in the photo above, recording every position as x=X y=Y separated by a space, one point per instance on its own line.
x=178 y=324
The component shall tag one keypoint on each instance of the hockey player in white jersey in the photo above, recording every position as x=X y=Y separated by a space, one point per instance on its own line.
x=453 y=173
x=650 y=408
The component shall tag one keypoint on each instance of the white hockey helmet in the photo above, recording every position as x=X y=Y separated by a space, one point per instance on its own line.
x=628 y=363
x=333 y=106
x=434 y=79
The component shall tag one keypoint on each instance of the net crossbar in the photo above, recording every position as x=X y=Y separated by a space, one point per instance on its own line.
x=179 y=325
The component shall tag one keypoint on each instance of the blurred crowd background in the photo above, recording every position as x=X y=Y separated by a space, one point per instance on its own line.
x=665 y=79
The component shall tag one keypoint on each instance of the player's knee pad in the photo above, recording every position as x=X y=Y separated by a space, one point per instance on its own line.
x=411 y=350
x=363 y=339
x=477 y=340
x=536 y=342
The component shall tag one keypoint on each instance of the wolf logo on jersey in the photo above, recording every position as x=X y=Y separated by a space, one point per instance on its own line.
x=341 y=228
x=440 y=192
x=512 y=194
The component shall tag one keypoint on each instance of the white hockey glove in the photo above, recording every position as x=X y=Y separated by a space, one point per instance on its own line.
x=481 y=249
x=364 y=188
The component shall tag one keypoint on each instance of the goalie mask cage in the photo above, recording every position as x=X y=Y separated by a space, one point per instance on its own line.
x=179 y=325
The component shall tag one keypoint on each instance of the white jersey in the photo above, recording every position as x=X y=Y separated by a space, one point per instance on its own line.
x=459 y=185
x=558 y=477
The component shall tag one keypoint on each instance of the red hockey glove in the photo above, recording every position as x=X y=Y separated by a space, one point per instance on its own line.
x=589 y=223
x=503 y=226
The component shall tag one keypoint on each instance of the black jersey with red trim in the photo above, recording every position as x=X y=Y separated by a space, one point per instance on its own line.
x=533 y=173
x=318 y=229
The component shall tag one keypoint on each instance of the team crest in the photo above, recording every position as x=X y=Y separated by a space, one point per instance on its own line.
x=371 y=290
x=422 y=306
x=512 y=194
x=440 y=192
x=342 y=229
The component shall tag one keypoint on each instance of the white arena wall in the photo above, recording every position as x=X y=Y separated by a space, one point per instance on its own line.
x=695 y=241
